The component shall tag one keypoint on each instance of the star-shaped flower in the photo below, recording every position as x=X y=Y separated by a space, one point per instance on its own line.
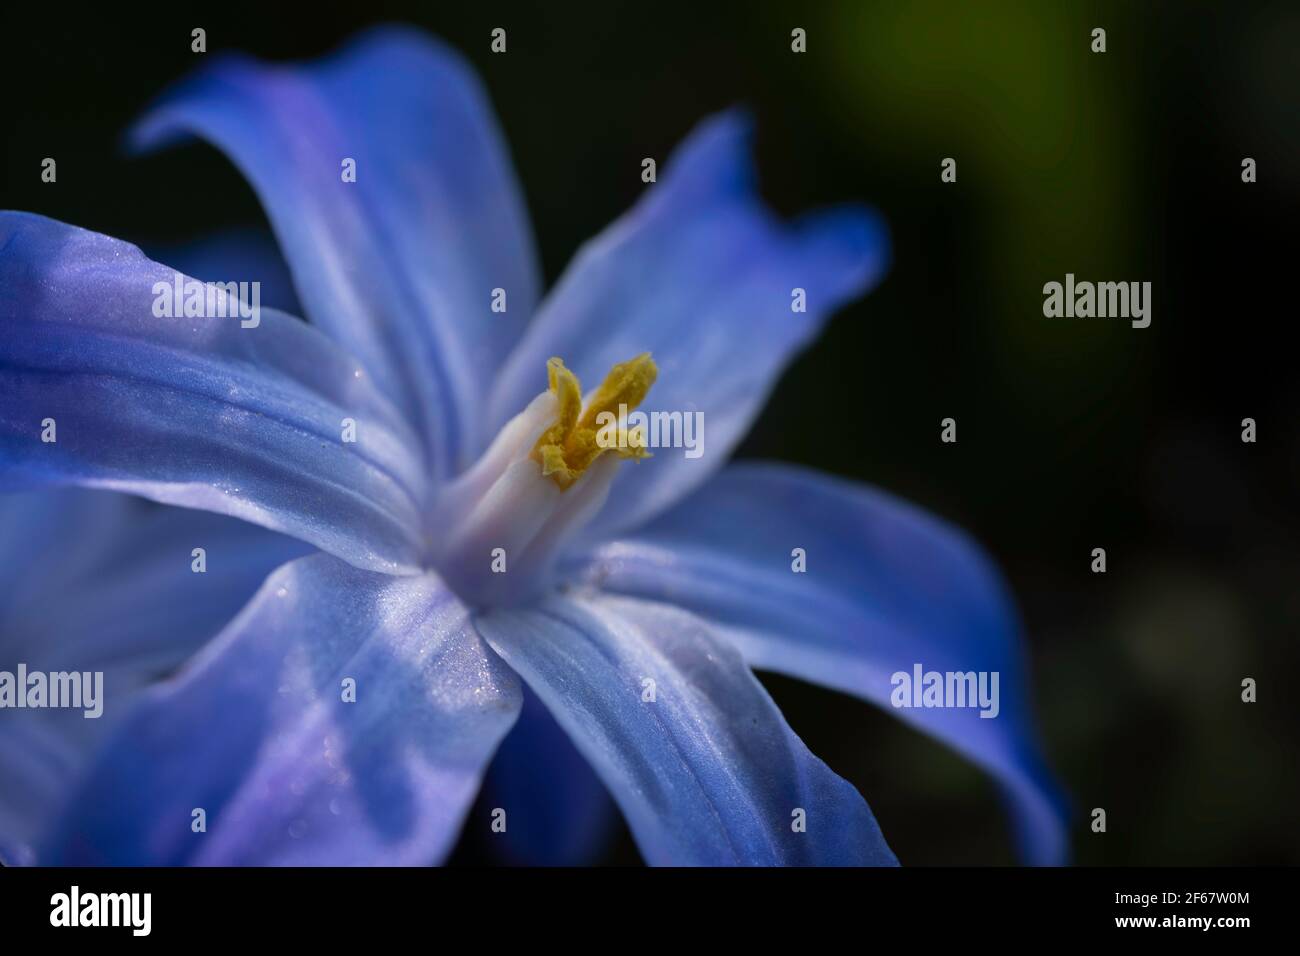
x=463 y=532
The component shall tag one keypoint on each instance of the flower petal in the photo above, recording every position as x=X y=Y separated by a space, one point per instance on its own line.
x=886 y=587
x=257 y=733
x=200 y=412
x=141 y=604
x=559 y=812
x=99 y=581
x=706 y=772
x=49 y=536
x=38 y=763
x=235 y=255
x=400 y=265
x=44 y=534
x=700 y=274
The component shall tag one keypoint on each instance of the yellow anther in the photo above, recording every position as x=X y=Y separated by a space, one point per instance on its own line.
x=580 y=436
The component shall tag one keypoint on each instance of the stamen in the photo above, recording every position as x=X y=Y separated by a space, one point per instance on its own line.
x=567 y=448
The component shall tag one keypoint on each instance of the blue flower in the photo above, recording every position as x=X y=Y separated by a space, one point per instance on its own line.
x=430 y=587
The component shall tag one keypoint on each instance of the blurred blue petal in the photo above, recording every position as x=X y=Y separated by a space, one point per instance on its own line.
x=234 y=255
x=99 y=581
x=559 y=812
x=398 y=267
x=142 y=605
x=706 y=773
x=886 y=586
x=699 y=273
x=49 y=537
x=46 y=539
x=40 y=761
x=255 y=732
x=197 y=412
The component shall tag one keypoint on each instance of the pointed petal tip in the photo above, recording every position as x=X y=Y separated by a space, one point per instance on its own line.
x=716 y=155
x=852 y=236
x=895 y=585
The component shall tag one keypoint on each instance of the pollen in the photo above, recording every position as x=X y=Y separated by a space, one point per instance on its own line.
x=581 y=435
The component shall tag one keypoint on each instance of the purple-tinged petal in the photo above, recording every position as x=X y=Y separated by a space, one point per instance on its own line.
x=200 y=412
x=559 y=812
x=691 y=746
x=886 y=587
x=99 y=581
x=258 y=732
x=400 y=265
x=702 y=275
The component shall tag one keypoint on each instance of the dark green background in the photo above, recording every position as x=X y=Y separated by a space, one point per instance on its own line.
x=1072 y=434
